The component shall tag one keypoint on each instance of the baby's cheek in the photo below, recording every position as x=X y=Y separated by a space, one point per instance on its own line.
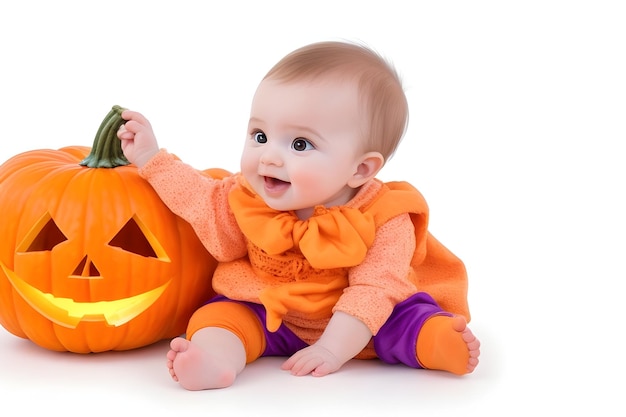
x=248 y=165
x=303 y=180
x=311 y=186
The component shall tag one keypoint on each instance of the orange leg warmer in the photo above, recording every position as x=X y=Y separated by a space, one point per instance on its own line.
x=234 y=317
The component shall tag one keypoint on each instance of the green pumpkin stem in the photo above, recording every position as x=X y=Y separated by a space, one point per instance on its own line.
x=106 y=151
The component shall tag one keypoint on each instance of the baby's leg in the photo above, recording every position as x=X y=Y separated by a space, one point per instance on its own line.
x=225 y=335
x=211 y=359
x=446 y=343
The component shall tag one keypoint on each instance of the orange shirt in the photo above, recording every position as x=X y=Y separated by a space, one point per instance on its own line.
x=362 y=258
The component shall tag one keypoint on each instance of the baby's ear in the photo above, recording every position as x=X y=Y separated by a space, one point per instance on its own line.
x=367 y=169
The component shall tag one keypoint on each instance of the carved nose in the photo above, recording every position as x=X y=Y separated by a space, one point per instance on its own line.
x=86 y=269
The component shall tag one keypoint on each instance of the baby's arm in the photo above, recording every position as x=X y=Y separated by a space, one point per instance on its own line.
x=200 y=200
x=344 y=337
x=138 y=141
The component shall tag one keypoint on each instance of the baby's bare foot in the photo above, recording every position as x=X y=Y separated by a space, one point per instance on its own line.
x=196 y=369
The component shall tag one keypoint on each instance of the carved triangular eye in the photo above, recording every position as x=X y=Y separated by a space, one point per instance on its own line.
x=43 y=236
x=135 y=237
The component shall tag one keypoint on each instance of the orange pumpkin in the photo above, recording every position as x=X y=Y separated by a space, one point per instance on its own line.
x=91 y=260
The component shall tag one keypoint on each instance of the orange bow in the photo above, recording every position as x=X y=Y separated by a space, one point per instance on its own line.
x=331 y=238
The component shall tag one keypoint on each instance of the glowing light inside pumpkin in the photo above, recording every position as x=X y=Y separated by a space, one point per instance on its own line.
x=69 y=313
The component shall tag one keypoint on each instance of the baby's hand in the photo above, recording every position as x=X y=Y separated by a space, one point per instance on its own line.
x=315 y=360
x=138 y=141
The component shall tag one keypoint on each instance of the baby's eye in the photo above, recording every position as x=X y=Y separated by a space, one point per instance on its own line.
x=301 y=144
x=259 y=137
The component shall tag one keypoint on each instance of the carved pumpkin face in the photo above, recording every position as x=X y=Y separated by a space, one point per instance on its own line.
x=90 y=258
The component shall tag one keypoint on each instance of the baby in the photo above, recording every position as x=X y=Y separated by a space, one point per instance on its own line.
x=319 y=260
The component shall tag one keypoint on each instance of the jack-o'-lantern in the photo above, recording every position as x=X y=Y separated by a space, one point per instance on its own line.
x=91 y=259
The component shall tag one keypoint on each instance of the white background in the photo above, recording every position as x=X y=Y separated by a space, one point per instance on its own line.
x=516 y=139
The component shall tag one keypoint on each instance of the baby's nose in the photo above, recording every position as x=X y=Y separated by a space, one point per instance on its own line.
x=271 y=157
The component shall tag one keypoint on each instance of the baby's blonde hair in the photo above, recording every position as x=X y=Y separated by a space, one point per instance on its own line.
x=379 y=86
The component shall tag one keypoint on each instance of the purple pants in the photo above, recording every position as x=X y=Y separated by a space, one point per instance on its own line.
x=395 y=342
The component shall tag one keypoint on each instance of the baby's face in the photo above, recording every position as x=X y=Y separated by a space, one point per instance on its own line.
x=304 y=144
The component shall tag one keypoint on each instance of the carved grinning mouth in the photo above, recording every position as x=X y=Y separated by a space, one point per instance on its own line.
x=69 y=313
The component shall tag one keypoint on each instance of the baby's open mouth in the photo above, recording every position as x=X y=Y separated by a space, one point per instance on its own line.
x=274 y=184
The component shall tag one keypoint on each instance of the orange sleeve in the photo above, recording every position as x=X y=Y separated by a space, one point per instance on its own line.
x=382 y=280
x=200 y=200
